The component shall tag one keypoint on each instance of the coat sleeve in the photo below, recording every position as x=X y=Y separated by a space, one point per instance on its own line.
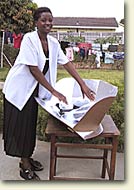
x=28 y=54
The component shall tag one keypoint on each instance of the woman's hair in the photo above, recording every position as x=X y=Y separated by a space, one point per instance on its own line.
x=38 y=12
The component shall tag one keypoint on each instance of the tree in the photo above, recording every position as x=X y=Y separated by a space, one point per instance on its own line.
x=72 y=38
x=100 y=41
x=17 y=15
x=113 y=39
x=110 y=39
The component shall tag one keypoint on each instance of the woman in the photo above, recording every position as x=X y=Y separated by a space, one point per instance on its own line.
x=33 y=74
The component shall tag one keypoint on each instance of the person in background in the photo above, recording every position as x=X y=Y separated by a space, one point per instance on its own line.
x=17 y=38
x=103 y=56
x=8 y=37
x=87 y=53
x=33 y=74
x=82 y=53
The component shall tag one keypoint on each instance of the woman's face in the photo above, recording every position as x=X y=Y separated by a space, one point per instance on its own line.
x=45 y=22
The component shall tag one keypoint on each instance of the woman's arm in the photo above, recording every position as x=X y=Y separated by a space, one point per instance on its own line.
x=42 y=80
x=84 y=88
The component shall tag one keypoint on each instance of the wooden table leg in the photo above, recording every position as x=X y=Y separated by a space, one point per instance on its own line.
x=52 y=158
x=113 y=157
x=105 y=155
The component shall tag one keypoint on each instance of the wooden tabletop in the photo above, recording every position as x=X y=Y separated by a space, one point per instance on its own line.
x=58 y=128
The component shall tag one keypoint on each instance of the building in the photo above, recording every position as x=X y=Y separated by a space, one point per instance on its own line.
x=84 y=24
x=88 y=27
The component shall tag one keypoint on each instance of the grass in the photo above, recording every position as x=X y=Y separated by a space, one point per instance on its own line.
x=108 y=75
x=111 y=76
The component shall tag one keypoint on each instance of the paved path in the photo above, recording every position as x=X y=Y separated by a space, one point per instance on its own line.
x=66 y=167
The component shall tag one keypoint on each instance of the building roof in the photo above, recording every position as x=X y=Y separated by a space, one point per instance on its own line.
x=84 y=22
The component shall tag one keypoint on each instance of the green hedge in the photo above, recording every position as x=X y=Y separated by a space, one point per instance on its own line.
x=10 y=53
x=118 y=114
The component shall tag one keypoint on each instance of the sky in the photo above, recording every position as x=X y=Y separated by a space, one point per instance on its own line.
x=85 y=8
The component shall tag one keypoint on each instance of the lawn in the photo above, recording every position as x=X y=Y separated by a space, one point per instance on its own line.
x=112 y=76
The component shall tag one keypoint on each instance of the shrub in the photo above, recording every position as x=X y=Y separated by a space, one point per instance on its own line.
x=11 y=54
x=118 y=114
x=41 y=123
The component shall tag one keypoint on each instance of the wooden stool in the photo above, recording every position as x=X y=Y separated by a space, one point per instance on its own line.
x=110 y=135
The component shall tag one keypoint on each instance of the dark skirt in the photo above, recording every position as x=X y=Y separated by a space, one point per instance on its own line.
x=19 y=129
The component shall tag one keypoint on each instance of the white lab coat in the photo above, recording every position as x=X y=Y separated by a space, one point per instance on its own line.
x=20 y=83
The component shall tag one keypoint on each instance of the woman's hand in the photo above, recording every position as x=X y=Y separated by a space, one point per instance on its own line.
x=84 y=88
x=88 y=92
x=60 y=96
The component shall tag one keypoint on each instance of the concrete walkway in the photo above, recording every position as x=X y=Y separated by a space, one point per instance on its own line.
x=66 y=167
